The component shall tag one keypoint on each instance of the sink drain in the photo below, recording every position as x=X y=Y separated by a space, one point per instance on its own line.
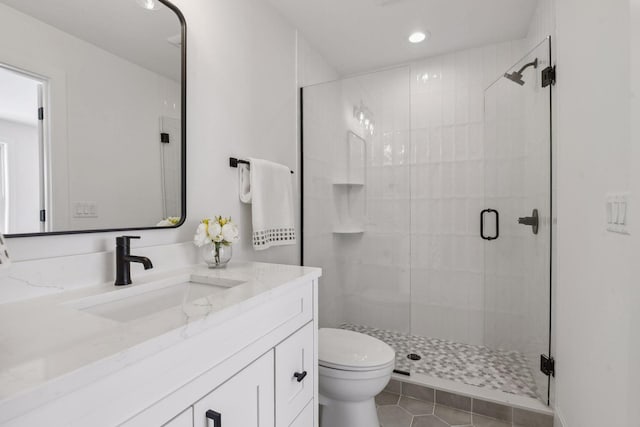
x=413 y=356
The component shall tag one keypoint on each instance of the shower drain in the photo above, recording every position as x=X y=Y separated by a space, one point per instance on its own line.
x=413 y=356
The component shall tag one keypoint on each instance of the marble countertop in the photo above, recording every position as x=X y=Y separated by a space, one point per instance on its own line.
x=49 y=340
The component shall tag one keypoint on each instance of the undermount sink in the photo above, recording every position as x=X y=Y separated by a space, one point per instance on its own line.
x=138 y=301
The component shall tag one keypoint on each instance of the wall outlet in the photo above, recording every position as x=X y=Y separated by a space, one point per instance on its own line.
x=617 y=209
x=84 y=209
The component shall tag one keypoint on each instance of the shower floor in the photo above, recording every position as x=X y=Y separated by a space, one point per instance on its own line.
x=474 y=365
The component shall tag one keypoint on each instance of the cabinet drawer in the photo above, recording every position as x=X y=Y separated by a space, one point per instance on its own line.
x=294 y=375
x=305 y=419
x=245 y=400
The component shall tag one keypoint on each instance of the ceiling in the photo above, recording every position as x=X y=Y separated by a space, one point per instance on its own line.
x=18 y=98
x=364 y=35
x=121 y=27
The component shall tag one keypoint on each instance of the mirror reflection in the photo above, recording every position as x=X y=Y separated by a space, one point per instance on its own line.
x=90 y=115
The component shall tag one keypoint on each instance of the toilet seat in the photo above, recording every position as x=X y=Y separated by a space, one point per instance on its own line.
x=352 y=351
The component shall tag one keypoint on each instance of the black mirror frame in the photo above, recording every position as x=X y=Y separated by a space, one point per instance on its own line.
x=183 y=132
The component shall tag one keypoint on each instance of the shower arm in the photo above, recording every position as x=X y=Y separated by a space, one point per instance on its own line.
x=533 y=64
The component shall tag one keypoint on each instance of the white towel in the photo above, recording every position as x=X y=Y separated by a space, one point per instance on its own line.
x=270 y=192
x=244 y=183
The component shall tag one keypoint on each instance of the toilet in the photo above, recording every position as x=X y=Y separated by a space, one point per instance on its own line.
x=353 y=369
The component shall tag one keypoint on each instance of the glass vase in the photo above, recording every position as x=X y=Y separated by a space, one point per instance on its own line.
x=216 y=255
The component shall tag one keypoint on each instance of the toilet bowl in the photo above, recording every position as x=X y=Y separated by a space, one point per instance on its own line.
x=353 y=369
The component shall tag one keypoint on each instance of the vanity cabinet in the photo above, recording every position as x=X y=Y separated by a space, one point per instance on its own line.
x=284 y=376
x=275 y=388
x=254 y=363
x=185 y=419
x=246 y=400
x=294 y=370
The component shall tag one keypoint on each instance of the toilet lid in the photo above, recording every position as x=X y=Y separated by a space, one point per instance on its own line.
x=348 y=350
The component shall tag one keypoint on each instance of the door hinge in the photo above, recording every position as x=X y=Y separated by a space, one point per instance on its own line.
x=164 y=138
x=549 y=76
x=547 y=365
x=41 y=113
x=43 y=215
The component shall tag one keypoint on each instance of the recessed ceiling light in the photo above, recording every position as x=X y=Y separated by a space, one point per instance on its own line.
x=148 y=4
x=418 y=37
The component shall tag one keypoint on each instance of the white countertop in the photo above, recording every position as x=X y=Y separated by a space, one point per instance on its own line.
x=47 y=342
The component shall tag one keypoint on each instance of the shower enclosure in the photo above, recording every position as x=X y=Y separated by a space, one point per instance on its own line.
x=427 y=202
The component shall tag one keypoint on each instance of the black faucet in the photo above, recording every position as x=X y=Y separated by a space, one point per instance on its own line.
x=124 y=260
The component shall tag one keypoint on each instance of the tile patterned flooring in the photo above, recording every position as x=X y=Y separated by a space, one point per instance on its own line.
x=409 y=405
x=479 y=366
x=402 y=411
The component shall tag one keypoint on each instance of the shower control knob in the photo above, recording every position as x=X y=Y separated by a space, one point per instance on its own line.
x=532 y=221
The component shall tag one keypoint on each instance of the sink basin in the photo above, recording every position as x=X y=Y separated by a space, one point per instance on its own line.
x=138 y=301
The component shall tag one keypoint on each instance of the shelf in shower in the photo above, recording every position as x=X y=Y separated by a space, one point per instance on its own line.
x=349 y=184
x=349 y=230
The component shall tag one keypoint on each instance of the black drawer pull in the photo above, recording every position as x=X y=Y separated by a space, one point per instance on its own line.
x=214 y=419
x=300 y=376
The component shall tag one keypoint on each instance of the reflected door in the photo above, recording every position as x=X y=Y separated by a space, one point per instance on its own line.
x=516 y=222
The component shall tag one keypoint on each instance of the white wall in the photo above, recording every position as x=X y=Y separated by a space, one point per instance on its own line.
x=242 y=101
x=597 y=296
x=110 y=111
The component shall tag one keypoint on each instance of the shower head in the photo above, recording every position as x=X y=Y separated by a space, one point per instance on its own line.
x=516 y=76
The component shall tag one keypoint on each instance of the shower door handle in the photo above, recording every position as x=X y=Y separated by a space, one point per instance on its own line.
x=482 y=215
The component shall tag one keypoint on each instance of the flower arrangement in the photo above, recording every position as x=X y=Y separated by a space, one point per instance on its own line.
x=169 y=221
x=219 y=232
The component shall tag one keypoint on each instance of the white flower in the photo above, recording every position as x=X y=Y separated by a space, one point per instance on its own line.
x=201 y=238
x=164 y=223
x=230 y=232
x=214 y=230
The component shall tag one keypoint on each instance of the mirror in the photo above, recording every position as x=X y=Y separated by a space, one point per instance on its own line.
x=92 y=117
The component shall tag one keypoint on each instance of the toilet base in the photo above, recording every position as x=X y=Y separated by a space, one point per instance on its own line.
x=334 y=413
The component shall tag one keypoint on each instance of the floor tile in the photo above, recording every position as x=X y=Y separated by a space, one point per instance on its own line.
x=393 y=386
x=428 y=421
x=415 y=406
x=453 y=400
x=394 y=416
x=482 y=421
x=385 y=398
x=419 y=392
x=452 y=416
x=492 y=410
x=531 y=419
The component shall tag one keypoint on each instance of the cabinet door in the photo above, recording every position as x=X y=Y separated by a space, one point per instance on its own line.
x=245 y=400
x=294 y=375
x=185 y=419
x=305 y=419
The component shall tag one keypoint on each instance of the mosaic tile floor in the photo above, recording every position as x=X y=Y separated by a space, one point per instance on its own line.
x=479 y=366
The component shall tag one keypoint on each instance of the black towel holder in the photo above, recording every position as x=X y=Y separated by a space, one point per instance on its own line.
x=233 y=162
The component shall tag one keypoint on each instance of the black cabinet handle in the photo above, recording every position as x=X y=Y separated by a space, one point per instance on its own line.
x=300 y=376
x=482 y=224
x=214 y=419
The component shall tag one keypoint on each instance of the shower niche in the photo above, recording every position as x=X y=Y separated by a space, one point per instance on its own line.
x=349 y=181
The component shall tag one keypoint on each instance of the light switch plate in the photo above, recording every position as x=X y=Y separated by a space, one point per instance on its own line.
x=617 y=211
x=84 y=210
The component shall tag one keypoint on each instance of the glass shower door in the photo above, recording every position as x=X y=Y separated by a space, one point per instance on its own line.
x=516 y=221
x=356 y=197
